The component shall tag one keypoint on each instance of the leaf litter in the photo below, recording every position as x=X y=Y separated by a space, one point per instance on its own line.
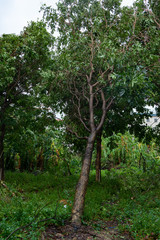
x=108 y=230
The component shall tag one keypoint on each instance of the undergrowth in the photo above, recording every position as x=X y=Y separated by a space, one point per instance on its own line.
x=30 y=202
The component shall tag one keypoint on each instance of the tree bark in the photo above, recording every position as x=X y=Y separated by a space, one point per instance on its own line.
x=2 y=152
x=98 y=157
x=82 y=183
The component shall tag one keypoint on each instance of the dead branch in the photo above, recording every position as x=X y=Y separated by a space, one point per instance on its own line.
x=17 y=229
x=5 y=186
x=35 y=217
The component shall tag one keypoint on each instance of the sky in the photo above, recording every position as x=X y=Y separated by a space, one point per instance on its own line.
x=15 y=14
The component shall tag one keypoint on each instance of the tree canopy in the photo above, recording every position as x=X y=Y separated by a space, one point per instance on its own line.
x=23 y=58
x=104 y=52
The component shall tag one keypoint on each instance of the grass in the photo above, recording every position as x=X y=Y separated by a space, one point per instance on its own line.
x=127 y=195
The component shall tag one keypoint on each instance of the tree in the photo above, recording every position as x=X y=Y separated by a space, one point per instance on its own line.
x=23 y=58
x=24 y=135
x=149 y=38
x=98 y=52
x=154 y=6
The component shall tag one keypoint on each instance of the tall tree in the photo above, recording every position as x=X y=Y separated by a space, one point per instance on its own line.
x=23 y=58
x=97 y=51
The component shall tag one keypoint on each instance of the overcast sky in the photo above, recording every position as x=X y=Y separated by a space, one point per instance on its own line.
x=14 y=14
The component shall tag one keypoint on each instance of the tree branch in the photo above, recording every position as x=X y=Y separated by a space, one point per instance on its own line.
x=5 y=186
x=78 y=107
x=76 y=134
x=80 y=116
x=103 y=111
x=29 y=224
x=109 y=104
x=83 y=92
x=91 y=108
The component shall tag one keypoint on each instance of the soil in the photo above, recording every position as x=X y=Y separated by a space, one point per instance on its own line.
x=103 y=231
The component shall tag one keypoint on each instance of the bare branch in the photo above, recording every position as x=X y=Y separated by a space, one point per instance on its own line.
x=5 y=186
x=91 y=60
x=97 y=101
x=78 y=105
x=91 y=108
x=76 y=134
x=103 y=111
x=103 y=73
x=135 y=20
x=109 y=104
x=84 y=95
x=27 y=225
x=95 y=84
x=80 y=117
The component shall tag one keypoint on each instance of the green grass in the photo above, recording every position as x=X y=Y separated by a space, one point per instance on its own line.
x=127 y=195
x=34 y=195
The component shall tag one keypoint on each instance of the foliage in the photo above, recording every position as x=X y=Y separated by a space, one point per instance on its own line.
x=23 y=58
x=103 y=52
x=126 y=41
x=125 y=149
x=40 y=151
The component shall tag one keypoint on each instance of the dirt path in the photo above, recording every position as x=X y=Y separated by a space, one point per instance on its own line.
x=108 y=231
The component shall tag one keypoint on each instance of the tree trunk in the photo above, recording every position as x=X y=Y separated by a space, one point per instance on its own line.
x=78 y=207
x=2 y=151
x=98 y=157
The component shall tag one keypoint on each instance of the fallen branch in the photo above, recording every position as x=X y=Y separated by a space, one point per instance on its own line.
x=5 y=186
x=29 y=224
x=17 y=229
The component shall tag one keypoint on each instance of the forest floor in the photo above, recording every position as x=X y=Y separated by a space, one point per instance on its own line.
x=108 y=231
